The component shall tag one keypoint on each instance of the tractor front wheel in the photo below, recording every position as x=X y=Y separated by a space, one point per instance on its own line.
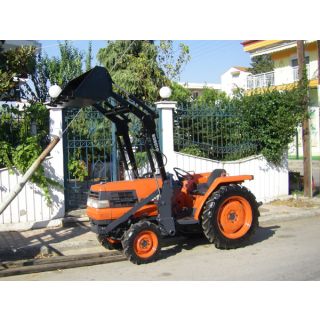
x=141 y=242
x=109 y=243
x=230 y=216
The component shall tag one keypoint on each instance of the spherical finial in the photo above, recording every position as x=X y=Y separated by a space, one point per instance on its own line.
x=165 y=92
x=54 y=91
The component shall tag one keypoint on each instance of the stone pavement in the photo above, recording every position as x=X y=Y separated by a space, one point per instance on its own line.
x=77 y=238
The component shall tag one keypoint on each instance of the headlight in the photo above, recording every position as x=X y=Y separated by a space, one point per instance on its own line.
x=98 y=204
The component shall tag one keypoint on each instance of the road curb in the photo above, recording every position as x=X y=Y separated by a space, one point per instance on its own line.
x=59 y=248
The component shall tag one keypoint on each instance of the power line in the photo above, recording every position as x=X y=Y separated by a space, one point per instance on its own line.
x=200 y=47
x=210 y=52
x=218 y=48
x=209 y=45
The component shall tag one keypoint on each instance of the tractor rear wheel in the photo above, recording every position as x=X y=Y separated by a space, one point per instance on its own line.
x=109 y=243
x=141 y=242
x=230 y=217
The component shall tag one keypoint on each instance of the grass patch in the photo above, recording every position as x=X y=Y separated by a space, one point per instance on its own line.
x=301 y=158
x=296 y=203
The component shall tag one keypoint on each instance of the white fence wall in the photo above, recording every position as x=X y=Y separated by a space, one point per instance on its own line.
x=30 y=209
x=269 y=182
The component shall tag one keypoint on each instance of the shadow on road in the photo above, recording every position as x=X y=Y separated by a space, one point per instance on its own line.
x=173 y=246
x=263 y=233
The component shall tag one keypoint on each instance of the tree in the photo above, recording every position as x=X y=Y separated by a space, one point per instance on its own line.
x=133 y=66
x=179 y=93
x=141 y=67
x=20 y=144
x=89 y=57
x=15 y=63
x=68 y=66
x=261 y=64
x=36 y=89
x=49 y=71
x=171 y=61
x=210 y=96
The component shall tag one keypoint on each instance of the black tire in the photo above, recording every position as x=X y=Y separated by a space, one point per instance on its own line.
x=149 y=238
x=103 y=240
x=211 y=216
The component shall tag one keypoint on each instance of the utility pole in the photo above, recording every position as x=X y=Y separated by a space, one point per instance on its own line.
x=318 y=45
x=307 y=163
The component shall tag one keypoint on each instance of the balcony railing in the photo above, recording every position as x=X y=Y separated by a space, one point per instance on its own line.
x=263 y=80
x=296 y=73
x=260 y=80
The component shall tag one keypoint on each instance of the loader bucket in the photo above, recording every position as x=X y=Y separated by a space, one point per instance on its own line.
x=89 y=88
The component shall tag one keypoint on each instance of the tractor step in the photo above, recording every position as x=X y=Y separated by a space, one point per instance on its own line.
x=187 y=220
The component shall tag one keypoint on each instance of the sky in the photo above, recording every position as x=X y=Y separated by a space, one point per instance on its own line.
x=209 y=59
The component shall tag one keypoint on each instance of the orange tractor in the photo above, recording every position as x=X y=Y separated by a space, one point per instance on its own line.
x=137 y=214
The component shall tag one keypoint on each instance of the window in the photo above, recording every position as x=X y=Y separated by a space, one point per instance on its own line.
x=195 y=94
x=294 y=62
x=235 y=74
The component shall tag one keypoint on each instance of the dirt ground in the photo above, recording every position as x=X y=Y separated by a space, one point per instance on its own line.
x=298 y=202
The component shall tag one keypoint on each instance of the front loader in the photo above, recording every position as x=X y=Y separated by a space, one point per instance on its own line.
x=135 y=215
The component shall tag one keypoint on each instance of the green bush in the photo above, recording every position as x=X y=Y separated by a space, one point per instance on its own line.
x=23 y=136
x=194 y=151
x=262 y=122
x=78 y=169
x=271 y=117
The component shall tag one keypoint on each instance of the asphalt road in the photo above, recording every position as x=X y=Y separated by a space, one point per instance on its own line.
x=288 y=250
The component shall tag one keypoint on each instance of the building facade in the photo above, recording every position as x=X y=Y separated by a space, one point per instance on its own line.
x=197 y=88
x=284 y=55
x=233 y=79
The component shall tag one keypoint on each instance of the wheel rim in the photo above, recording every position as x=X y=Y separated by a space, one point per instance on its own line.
x=235 y=217
x=145 y=244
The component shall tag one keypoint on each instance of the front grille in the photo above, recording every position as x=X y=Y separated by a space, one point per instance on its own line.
x=94 y=195
x=123 y=198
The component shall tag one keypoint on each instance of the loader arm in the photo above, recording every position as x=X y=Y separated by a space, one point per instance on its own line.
x=95 y=88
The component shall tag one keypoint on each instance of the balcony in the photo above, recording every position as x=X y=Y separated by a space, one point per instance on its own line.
x=278 y=77
x=296 y=73
x=260 y=80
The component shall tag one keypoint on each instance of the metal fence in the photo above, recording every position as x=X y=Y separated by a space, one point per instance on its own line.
x=88 y=153
x=138 y=142
x=215 y=132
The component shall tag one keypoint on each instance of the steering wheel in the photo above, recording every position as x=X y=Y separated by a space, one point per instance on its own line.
x=182 y=174
x=147 y=175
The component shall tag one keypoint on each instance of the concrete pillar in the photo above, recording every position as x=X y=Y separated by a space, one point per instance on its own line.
x=166 y=109
x=55 y=164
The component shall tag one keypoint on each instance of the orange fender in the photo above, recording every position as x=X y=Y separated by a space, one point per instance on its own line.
x=201 y=200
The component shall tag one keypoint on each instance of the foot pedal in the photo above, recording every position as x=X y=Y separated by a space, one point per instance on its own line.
x=187 y=220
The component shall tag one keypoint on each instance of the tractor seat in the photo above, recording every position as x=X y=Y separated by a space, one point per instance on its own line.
x=201 y=188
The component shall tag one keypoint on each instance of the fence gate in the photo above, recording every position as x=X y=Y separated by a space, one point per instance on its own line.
x=88 y=156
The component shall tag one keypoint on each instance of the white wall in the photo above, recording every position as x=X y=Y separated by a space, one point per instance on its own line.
x=269 y=182
x=229 y=83
x=29 y=209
